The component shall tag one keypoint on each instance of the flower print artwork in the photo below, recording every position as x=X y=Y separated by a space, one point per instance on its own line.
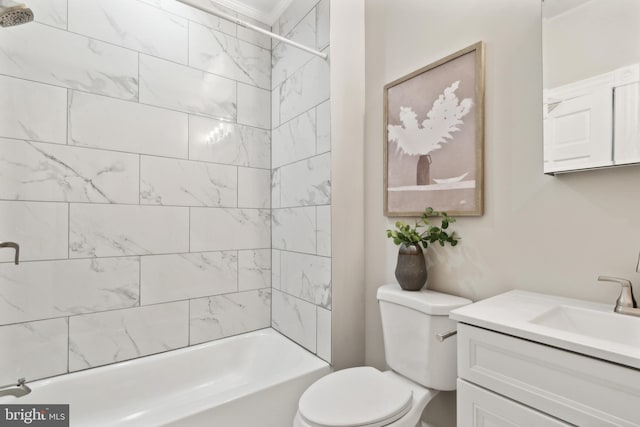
x=433 y=135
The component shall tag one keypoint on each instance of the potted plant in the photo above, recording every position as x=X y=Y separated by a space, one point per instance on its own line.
x=411 y=269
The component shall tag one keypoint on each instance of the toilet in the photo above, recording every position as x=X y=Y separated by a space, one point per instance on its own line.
x=421 y=366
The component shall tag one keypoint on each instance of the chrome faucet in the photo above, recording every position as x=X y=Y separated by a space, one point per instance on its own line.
x=626 y=303
x=15 y=247
x=17 y=390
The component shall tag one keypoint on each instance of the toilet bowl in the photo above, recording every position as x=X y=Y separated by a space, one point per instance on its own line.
x=421 y=365
x=363 y=396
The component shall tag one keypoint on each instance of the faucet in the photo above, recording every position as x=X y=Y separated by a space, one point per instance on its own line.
x=626 y=303
x=17 y=390
x=15 y=246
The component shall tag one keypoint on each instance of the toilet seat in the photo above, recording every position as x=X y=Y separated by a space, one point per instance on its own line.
x=356 y=397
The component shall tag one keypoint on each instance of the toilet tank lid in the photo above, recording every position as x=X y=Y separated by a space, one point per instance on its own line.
x=425 y=300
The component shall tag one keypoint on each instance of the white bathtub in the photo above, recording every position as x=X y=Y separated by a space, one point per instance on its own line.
x=248 y=380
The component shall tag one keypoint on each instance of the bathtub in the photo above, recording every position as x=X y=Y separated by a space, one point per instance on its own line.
x=248 y=380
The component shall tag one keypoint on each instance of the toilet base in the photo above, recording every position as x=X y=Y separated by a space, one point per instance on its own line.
x=421 y=397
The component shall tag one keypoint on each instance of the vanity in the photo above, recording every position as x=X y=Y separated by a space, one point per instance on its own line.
x=529 y=359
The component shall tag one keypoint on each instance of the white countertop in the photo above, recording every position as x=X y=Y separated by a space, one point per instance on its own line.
x=519 y=313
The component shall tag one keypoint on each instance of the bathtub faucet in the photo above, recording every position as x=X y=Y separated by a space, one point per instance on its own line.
x=15 y=247
x=17 y=390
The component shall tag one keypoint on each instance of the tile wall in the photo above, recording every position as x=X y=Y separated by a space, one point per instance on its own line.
x=301 y=179
x=135 y=173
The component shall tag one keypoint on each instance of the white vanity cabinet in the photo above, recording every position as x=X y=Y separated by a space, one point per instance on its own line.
x=508 y=381
x=479 y=407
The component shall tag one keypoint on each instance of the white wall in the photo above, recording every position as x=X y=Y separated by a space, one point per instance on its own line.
x=347 y=130
x=594 y=38
x=538 y=233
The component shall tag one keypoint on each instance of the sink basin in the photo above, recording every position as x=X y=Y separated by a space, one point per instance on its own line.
x=607 y=326
x=582 y=327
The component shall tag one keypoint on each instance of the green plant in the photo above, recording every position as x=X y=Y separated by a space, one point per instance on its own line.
x=406 y=235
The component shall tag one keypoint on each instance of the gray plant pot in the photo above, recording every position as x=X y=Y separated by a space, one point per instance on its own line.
x=411 y=269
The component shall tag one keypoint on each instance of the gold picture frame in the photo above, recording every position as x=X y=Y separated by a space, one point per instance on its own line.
x=434 y=137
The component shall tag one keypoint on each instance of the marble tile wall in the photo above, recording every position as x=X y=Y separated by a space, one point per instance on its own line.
x=301 y=179
x=135 y=173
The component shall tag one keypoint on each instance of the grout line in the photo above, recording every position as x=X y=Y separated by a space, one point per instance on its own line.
x=238 y=271
x=210 y=208
x=279 y=107
x=172 y=349
x=237 y=106
x=316 y=18
x=287 y=35
x=139 y=281
x=135 y=307
x=235 y=26
x=139 y=179
x=280 y=270
x=149 y=255
x=137 y=102
x=182 y=16
x=68 y=230
x=186 y=65
x=162 y=58
x=97 y=203
x=271 y=175
x=291 y=73
x=302 y=253
x=304 y=159
x=134 y=256
x=68 y=344
x=300 y=298
x=302 y=113
x=296 y=207
x=188 y=136
x=130 y=153
x=68 y=116
x=188 y=43
x=138 y=82
x=279 y=191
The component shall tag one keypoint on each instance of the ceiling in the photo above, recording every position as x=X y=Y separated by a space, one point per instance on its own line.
x=266 y=11
x=551 y=8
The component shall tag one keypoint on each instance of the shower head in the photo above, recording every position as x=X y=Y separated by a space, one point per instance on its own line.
x=14 y=14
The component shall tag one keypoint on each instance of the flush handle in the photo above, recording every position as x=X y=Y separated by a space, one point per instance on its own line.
x=13 y=245
x=445 y=335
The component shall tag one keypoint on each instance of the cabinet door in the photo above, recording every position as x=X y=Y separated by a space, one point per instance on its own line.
x=582 y=390
x=478 y=407
x=578 y=131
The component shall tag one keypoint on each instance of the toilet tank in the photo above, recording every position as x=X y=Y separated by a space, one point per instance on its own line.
x=410 y=322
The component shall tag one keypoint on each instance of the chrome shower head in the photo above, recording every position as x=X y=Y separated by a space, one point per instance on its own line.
x=14 y=14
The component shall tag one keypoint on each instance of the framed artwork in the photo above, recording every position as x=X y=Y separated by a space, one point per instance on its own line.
x=434 y=137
